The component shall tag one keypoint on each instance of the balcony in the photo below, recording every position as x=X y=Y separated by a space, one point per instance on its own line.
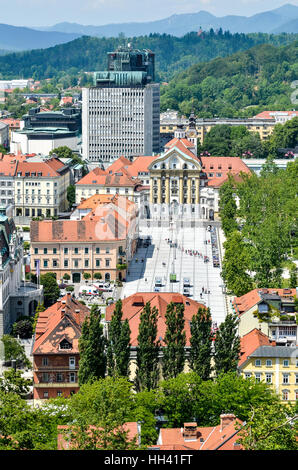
x=56 y=384
x=65 y=368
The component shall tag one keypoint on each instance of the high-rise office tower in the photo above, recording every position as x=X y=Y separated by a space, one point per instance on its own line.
x=121 y=110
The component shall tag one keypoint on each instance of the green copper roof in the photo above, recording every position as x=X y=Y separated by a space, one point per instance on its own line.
x=120 y=78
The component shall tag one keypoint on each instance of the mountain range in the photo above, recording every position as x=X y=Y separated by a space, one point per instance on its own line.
x=15 y=38
x=283 y=19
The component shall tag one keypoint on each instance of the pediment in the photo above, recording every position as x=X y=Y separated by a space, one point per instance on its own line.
x=175 y=155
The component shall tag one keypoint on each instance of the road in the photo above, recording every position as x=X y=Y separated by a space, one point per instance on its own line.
x=161 y=259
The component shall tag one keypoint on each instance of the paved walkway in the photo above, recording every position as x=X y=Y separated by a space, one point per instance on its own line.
x=161 y=259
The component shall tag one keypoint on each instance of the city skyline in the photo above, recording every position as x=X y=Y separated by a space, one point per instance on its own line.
x=38 y=13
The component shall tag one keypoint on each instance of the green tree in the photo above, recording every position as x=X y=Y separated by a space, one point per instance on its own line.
x=201 y=343
x=175 y=341
x=14 y=350
x=86 y=276
x=293 y=278
x=97 y=276
x=71 y=194
x=40 y=308
x=24 y=427
x=271 y=427
x=105 y=404
x=236 y=264
x=13 y=381
x=92 y=365
x=227 y=345
x=147 y=374
x=118 y=350
x=23 y=328
x=51 y=290
x=228 y=207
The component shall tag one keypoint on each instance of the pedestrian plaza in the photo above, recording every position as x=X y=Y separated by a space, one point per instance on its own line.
x=179 y=254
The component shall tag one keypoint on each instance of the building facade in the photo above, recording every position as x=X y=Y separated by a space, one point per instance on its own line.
x=121 y=111
x=56 y=349
x=42 y=132
x=101 y=238
x=4 y=134
x=170 y=122
x=264 y=361
x=17 y=297
x=132 y=308
x=40 y=189
x=272 y=311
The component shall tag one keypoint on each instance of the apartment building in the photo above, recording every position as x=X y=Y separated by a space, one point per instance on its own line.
x=272 y=311
x=17 y=297
x=169 y=123
x=40 y=189
x=132 y=307
x=275 y=365
x=121 y=111
x=56 y=349
x=100 y=237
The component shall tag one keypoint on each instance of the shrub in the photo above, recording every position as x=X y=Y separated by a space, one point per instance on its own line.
x=97 y=276
x=66 y=277
x=69 y=288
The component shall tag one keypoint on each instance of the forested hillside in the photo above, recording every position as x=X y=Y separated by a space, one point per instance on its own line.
x=239 y=85
x=173 y=54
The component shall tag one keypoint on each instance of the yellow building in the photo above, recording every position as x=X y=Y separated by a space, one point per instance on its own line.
x=40 y=189
x=264 y=127
x=275 y=365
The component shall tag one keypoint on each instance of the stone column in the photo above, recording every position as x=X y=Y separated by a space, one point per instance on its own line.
x=189 y=191
x=159 y=190
x=167 y=190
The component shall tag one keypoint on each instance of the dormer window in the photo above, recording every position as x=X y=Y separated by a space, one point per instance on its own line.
x=65 y=344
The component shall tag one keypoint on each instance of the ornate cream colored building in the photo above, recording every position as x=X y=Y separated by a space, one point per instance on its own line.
x=175 y=181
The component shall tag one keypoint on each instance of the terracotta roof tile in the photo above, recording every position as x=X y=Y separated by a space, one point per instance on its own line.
x=53 y=325
x=132 y=310
x=250 y=342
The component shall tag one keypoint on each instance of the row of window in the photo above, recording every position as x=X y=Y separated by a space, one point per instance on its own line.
x=76 y=250
x=70 y=377
x=269 y=376
x=76 y=263
x=285 y=363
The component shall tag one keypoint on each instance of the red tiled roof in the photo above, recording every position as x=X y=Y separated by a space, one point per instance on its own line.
x=8 y=168
x=103 y=178
x=272 y=114
x=250 y=342
x=53 y=326
x=175 y=141
x=14 y=123
x=140 y=164
x=47 y=168
x=249 y=300
x=132 y=309
x=118 y=164
x=108 y=225
x=207 y=438
x=130 y=427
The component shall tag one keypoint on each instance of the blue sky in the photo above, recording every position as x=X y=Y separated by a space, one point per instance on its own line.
x=99 y=12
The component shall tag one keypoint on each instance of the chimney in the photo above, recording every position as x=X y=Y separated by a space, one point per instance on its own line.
x=225 y=420
x=190 y=431
x=62 y=312
x=58 y=304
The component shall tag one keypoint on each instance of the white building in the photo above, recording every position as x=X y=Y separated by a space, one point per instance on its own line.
x=4 y=134
x=42 y=141
x=120 y=117
x=17 y=297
